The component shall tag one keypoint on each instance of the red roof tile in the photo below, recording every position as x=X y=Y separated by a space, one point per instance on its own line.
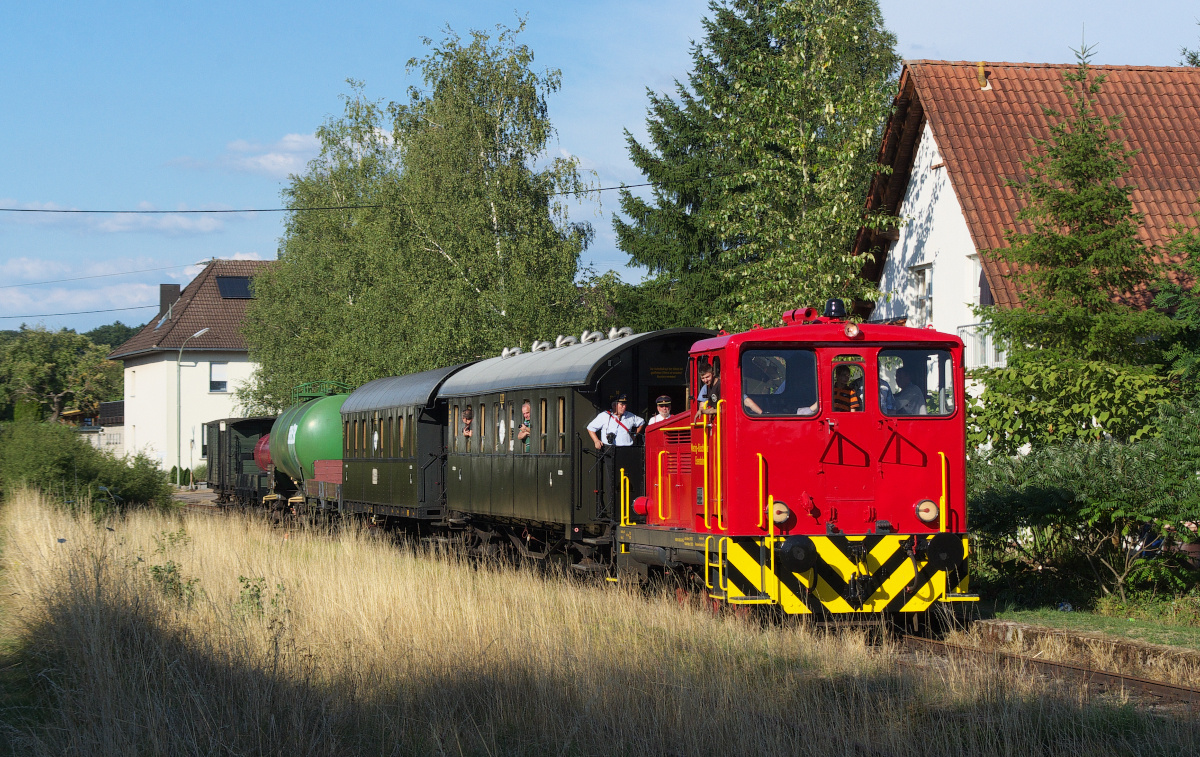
x=199 y=306
x=984 y=135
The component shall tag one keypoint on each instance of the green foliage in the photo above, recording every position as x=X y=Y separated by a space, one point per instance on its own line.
x=467 y=249
x=1103 y=515
x=762 y=162
x=58 y=461
x=801 y=125
x=1181 y=297
x=250 y=598
x=57 y=370
x=173 y=583
x=1037 y=400
x=672 y=234
x=200 y=472
x=1081 y=264
x=1190 y=57
x=112 y=335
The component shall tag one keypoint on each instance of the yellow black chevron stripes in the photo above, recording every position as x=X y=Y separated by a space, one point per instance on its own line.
x=840 y=574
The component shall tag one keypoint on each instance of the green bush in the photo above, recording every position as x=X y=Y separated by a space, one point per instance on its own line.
x=1083 y=520
x=200 y=472
x=58 y=461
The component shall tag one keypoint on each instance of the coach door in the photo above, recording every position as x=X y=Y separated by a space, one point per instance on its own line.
x=845 y=465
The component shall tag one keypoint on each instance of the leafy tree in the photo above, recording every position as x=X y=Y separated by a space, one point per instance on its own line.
x=802 y=124
x=457 y=245
x=762 y=163
x=1083 y=348
x=113 y=334
x=671 y=235
x=491 y=234
x=58 y=369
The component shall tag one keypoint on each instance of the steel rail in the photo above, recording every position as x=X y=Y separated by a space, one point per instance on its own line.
x=1166 y=692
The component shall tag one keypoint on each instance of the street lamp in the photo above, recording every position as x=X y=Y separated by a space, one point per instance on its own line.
x=179 y=408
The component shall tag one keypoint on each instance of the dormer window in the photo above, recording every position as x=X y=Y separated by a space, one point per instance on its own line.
x=235 y=287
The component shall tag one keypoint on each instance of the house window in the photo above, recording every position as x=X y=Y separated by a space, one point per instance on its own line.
x=922 y=283
x=218 y=379
x=235 y=287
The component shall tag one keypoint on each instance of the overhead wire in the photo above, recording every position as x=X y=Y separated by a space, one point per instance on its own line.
x=99 y=276
x=77 y=312
x=282 y=210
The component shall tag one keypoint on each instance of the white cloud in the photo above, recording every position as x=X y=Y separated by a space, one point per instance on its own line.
x=278 y=160
x=61 y=299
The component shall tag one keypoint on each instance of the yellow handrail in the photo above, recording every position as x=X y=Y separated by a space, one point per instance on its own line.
x=720 y=498
x=628 y=499
x=704 y=433
x=722 y=582
x=942 y=501
x=624 y=502
x=707 y=562
x=660 y=489
x=760 y=491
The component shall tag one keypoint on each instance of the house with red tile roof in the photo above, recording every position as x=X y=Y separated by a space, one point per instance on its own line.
x=959 y=132
x=183 y=367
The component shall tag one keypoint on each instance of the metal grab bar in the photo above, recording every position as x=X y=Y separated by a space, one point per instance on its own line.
x=942 y=500
x=720 y=449
x=660 y=487
x=704 y=434
x=761 y=462
x=707 y=563
x=627 y=498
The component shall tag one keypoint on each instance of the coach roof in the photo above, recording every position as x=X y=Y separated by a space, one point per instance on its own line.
x=572 y=365
x=415 y=389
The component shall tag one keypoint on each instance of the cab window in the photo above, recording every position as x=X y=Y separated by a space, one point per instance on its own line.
x=779 y=382
x=846 y=389
x=916 y=382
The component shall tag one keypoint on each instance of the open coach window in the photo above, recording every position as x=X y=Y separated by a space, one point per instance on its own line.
x=779 y=382
x=916 y=382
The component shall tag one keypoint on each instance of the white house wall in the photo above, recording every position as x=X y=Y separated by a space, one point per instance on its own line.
x=934 y=234
x=150 y=407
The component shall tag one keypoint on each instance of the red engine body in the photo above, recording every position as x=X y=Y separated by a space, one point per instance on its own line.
x=843 y=434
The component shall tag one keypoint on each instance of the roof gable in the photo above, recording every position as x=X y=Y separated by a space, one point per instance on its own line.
x=985 y=134
x=200 y=305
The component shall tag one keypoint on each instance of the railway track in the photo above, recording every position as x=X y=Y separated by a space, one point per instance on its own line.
x=1165 y=693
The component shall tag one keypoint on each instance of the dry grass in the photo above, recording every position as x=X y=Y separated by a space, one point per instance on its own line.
x=1159 y=663
x=346 y=644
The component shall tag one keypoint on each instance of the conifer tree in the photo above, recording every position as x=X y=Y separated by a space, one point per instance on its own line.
x=1083 y=346
x=762 y=163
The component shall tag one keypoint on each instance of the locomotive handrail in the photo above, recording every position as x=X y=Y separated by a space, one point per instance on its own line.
x=704 y=435
x=720 y=499
x=660 y=489
x=942 y=499
x=626 y=497
x=761 y=462
x=707 y=563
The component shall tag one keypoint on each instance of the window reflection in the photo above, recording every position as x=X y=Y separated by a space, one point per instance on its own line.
x=779 y=382
x=916 y=382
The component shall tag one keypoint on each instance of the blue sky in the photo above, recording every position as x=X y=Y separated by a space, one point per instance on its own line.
x=143 y=105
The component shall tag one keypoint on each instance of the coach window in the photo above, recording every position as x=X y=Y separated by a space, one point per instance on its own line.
x=562 y=424
x=916 y=382
x=542 y=424
x=779 y=383
x=345 y=438
x=847 y=384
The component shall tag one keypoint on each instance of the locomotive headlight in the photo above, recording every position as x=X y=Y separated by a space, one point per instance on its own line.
x=780 y=513
x=927 y=510
x=852 y=330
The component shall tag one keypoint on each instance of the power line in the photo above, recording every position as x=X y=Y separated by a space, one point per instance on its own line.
x=99 y=276
x=77 y=312
x=282 y=210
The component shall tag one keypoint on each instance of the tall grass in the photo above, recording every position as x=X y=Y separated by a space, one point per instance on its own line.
x=161 y=634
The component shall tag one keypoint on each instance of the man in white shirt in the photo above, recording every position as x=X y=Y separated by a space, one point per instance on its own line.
x=663 y=404
x=616 y=427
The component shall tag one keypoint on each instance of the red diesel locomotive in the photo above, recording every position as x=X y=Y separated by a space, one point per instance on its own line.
x=820 y=467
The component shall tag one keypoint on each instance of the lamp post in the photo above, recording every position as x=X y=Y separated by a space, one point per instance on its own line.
x=179 y=408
